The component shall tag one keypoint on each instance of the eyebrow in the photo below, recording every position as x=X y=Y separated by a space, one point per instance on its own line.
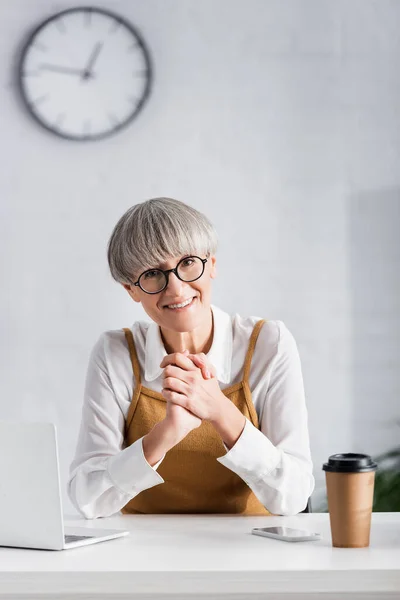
x=162 y=266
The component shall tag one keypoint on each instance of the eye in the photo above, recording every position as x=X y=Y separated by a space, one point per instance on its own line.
x=151 y=274
x=187 y=262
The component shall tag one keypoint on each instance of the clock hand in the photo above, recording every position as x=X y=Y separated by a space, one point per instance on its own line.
x=86 y=73
x=59 y=69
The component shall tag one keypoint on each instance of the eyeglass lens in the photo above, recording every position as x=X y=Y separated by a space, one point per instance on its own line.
x=189 y=269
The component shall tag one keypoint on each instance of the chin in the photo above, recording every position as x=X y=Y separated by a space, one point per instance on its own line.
x=183 y=326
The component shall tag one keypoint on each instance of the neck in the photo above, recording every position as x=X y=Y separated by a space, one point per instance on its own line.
x=196 y=341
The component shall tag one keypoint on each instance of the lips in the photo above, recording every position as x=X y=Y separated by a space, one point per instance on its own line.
x=181 y=304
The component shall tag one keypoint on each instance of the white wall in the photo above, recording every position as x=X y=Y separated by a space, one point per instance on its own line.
x=278 y=119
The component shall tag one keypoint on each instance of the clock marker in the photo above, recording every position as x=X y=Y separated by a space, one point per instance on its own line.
x=87 y=125
x=112 y=118
x=39 y=46
x=88 y=16
x=59 y=23
x=115 y=26
x=40 y=100
x=60 y=119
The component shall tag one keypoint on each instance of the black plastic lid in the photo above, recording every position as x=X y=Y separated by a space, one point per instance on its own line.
x=350 y=463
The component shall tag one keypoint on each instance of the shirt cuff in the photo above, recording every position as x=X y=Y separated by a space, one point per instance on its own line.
x=130 y=471
x=253 y=456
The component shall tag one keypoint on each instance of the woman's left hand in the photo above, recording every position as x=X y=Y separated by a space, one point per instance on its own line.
x=185 y=384
x=201 y=361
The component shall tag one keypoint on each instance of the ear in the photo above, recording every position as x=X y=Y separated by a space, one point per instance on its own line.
x=213 y=266
x=132 y=291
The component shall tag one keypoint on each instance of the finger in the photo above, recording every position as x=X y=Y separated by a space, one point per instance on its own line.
x=178 y=359
x=200 y=363
x=213 y=371
x=178 y=373
x=175 y=398
x=211 y=367
x=176 y=385
x=207 y=369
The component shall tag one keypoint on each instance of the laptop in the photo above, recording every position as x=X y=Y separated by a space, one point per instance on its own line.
x=30 y=495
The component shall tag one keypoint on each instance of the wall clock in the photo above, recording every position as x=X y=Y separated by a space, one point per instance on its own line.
x=85 y=73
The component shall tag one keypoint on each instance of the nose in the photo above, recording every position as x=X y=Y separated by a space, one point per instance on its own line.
x=175 y=285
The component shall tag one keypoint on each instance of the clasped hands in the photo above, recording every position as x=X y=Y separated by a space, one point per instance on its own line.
x=189 y=381
x=193 y=395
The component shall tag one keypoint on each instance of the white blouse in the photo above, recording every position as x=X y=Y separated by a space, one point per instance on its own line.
x=274 y=461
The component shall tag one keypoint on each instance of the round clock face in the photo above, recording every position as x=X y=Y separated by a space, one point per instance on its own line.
x=85 y=73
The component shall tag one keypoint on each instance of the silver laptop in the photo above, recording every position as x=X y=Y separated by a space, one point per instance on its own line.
x=30 y=496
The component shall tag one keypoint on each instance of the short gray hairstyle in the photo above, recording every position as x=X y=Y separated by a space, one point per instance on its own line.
x=153 y=231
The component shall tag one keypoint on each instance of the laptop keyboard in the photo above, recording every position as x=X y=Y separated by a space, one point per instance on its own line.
x=76 y=538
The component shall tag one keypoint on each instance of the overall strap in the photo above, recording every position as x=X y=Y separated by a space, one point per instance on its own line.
x=132 y=352
x=250 y=350
x=136 y=372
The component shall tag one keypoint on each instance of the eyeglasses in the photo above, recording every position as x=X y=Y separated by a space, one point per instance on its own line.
x=188 y=269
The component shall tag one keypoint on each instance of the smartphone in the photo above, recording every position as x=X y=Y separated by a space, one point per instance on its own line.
x=287 y=534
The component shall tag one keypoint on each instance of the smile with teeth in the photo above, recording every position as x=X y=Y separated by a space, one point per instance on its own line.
x=181 y=305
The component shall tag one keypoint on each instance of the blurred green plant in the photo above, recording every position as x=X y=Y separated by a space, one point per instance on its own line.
x=387 y=482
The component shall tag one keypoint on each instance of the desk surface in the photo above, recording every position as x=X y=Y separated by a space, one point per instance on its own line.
x=212 y=555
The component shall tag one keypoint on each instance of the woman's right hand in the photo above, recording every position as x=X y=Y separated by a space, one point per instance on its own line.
x=166 y=434
x=180 y=421
x=176 y=425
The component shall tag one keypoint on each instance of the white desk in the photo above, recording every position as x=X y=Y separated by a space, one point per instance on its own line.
x=185 y=556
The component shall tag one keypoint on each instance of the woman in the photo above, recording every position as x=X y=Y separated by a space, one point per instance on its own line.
x=197 y=411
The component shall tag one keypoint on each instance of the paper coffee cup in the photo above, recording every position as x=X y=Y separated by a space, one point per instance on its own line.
x=350 y=482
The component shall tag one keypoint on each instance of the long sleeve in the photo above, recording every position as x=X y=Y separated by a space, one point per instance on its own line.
x=275 y=461
x=104 y=475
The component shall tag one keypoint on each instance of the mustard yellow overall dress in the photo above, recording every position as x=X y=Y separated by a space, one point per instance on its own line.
x=194 y=481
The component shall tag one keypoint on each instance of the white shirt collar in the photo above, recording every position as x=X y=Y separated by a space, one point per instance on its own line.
x=219 y=355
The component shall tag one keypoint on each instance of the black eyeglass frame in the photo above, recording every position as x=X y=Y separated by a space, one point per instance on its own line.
x=168 y=271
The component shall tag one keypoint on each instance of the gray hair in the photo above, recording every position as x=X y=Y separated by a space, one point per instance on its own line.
x=153 y=231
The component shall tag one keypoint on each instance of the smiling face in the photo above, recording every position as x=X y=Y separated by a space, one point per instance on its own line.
x=162 y=308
